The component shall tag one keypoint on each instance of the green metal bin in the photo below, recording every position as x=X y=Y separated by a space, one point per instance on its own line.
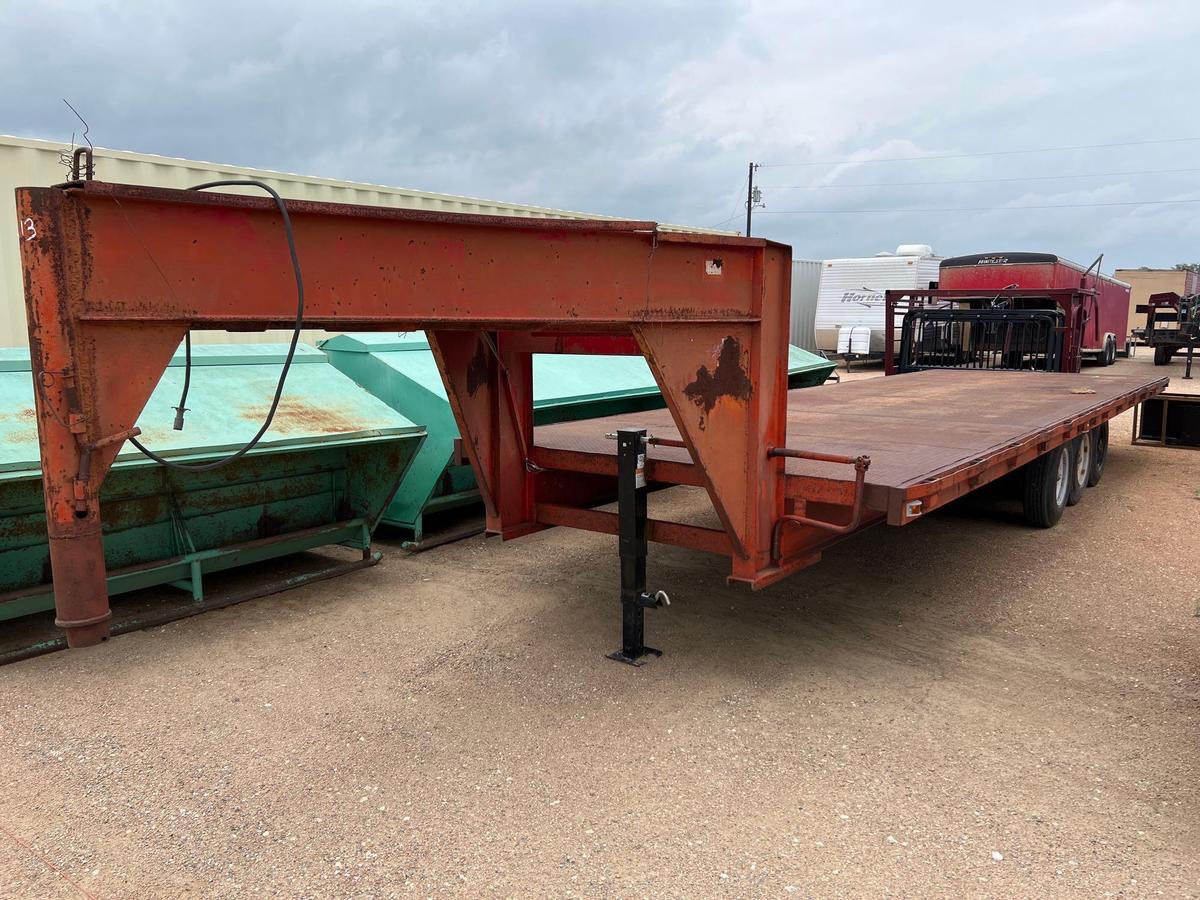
x=322 y=475
x=399 y=368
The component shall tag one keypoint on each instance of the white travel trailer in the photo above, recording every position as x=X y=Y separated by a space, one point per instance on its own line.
x=850 y=306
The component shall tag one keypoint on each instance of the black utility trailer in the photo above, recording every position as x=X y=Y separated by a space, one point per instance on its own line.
x=1011 y=328
x=1172 y=325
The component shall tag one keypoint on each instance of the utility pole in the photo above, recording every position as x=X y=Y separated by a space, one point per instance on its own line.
x=753 y=196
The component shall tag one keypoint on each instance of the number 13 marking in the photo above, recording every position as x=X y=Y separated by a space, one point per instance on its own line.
x=29 y=229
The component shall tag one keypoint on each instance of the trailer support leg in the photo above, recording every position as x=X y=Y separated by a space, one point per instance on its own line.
x=631 y=512
x=1187 y=369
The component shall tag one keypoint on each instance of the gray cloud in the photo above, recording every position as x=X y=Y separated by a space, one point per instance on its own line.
x=652 y=110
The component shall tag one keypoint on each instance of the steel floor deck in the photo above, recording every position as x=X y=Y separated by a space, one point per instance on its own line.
x=921 y=430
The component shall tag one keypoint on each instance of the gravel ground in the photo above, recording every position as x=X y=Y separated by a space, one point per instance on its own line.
x=961 y=706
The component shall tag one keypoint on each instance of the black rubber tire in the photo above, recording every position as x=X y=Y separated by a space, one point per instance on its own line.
x=1162 y=355
x=1108 y=354
x=1080 y=467
x=1099 y=454
x=1045 y=498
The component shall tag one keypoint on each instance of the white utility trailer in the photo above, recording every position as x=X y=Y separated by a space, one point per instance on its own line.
x=850 y=301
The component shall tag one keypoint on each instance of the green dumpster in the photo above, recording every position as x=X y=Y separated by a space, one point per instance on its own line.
x=322 y=475
x=399 y=368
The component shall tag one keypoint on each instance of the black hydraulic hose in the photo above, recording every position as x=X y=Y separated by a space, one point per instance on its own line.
x=287 y=363
x=187 y=381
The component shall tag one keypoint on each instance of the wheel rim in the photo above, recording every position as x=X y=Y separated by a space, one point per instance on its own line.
x=1061 y=483
x=1083 y=459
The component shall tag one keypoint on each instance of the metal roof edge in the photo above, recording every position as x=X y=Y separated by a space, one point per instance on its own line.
x=364 y=342
x=251 y=172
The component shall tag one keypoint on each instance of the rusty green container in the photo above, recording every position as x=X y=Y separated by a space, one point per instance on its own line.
x=322 y=475
x=399 y=369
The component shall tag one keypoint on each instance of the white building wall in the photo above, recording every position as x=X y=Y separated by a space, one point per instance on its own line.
x=806 y=284
x=28 y=162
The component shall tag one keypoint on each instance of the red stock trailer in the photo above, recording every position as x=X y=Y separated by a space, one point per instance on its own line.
x=1006 y=296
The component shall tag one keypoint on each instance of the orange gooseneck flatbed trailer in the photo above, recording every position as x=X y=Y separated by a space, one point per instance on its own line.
x=116 y=275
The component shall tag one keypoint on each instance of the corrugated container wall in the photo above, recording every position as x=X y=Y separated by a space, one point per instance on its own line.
x=806 y=284
x=25 y=162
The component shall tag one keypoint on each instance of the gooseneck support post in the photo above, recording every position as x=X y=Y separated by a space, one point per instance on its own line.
x=631 y=512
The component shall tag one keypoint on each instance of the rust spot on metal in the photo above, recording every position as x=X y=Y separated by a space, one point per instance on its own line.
x=729 y=380
x=270 y=525
x=23 y=436
x=296 y=415
x=477 y=369
x=139 y=510
x=685 y=313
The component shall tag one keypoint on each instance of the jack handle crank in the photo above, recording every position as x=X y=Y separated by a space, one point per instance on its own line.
x=655 y=601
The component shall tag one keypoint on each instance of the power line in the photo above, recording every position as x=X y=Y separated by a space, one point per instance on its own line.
x=737 y=212
x=843 y=162
x=736 y=215
x=923 y=209
x=886 y=184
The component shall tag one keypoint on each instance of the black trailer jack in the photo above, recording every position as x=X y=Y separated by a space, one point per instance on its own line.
x=631 y=513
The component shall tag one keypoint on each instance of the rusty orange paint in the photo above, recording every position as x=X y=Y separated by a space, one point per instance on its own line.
x=117 y=274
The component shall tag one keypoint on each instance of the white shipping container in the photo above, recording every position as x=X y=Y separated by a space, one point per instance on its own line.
x=806 y=283
x=27 y=162
x=850 y=302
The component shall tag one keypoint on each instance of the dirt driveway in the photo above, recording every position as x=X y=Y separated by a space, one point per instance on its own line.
x=962 y=706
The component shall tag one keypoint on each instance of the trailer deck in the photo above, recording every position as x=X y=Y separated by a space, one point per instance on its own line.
x=931 y=437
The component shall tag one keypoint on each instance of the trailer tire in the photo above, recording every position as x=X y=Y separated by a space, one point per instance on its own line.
x=1047 y=480
x=1081 y=467
x=1162 y=355
x=1108 y=353
x=1099 y=454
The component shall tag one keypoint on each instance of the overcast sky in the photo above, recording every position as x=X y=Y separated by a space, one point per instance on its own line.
x=653 y=110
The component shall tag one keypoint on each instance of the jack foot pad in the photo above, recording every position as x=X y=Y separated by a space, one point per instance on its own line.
x=645 y=656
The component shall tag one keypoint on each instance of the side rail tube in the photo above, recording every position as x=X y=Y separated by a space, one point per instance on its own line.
x=860 y=463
